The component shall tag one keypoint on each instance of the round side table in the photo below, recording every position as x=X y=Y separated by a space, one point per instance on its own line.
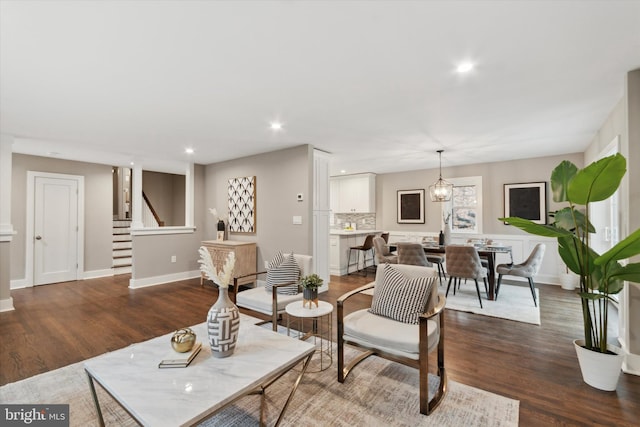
x=320 y=333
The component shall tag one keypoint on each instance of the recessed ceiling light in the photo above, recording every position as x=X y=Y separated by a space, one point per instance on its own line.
x=343 y=171
x=465 y=67
x=276 y=126
x=188 y=150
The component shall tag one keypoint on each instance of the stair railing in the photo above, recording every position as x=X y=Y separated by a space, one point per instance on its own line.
x=150 y=217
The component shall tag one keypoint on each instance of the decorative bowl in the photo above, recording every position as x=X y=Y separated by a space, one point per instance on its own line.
x=183 y=340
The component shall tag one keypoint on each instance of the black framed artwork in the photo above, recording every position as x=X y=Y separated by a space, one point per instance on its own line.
x=411 y=206
x=526 y=200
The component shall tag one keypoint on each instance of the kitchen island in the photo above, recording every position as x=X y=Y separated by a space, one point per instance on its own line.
x=339 y=243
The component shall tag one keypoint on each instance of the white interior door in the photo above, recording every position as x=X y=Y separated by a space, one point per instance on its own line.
x=55 y=230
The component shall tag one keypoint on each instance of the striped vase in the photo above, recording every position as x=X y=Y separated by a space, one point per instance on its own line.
x=223 y=323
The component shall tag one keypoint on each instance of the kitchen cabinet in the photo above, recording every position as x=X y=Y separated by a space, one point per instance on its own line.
x=353 y=193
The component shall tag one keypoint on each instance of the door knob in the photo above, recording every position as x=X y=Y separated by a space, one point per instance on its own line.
x=38 y=237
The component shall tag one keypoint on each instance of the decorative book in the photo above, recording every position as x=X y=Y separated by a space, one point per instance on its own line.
x=180 y=360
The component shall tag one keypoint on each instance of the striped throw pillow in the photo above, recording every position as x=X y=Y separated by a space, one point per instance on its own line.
x=400 y=298
x=288 y=271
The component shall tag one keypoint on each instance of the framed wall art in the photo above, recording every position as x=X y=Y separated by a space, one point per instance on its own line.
x=465 y=207
x=411 y=206
x=526 y=200
x=242 y=204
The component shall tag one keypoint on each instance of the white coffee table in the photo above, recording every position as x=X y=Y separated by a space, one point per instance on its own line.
x=321 y=329
x=185 y=396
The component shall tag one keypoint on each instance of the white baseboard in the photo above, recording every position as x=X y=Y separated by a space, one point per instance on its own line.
x=94 y=274
x=159 y=280
x=631 y=364
x=19 y=284
x=6 y=304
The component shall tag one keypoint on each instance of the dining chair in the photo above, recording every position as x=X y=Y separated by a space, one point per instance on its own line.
x=382 y=252
x=527 y=269
x=413 y=254
x=463 y=262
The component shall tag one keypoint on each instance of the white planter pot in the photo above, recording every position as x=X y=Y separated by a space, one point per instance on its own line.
x=569 y=281
x=600 y=370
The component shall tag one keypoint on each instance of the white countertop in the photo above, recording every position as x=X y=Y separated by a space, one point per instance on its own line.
x=352 y=233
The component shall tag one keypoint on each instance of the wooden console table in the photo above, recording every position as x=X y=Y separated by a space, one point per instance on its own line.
x=246 y=257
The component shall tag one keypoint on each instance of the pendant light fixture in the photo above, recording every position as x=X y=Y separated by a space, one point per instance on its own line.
x=441 y=190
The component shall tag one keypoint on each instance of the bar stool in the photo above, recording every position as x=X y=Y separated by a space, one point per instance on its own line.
x=365 y=247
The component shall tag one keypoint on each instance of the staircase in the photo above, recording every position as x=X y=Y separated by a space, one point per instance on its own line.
x=121 y=246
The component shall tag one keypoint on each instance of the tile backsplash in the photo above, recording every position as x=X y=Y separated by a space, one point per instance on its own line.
x=363 y=221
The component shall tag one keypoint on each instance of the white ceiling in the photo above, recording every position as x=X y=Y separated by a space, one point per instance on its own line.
x=371 y=82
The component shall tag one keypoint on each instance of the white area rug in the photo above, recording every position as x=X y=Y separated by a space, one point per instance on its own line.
x=515 y=302
x=376 y=393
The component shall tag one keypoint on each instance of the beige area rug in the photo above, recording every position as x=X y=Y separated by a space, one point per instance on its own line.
x=376 y=393
x=515 y=302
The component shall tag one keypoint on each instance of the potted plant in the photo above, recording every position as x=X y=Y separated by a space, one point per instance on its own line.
x=310 y=285
x=600 y=275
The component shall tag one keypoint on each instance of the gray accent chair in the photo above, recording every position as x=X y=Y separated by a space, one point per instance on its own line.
x=527 y=269
x=272 y=304
x=397 y=341
x=463 y=262
x=412 y=254
x=383 y=254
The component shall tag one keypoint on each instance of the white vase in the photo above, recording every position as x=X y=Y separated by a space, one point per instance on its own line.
x=569 y=281
x=447 y=234
x=223 y=323
x=600 y=370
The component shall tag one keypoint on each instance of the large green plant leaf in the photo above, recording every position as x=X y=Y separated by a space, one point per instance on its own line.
x=570 y=218
x=533 y=228
x=630 y=273
x=598 y=181
x=560 y=177
x=628 y=247
x=579 y=258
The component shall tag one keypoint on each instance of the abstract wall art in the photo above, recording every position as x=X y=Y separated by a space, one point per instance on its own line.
x=242 y=204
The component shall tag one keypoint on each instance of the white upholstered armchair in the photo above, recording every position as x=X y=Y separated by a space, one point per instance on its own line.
x=407 y=323
x=272 y=303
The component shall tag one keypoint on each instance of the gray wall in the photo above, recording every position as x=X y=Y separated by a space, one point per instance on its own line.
x=494 y=176
x=98 y=187
x=280 y=175
x=152 y=254
x=165 y=191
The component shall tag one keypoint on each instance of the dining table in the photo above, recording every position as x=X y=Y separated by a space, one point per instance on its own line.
x=487 y=252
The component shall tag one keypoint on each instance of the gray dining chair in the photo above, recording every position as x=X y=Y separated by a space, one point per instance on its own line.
x=527 y=269
x=413 y=254
x=463 y=262
x=383 y=254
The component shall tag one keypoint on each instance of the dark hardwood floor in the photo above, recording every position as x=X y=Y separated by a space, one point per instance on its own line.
x=56 y=325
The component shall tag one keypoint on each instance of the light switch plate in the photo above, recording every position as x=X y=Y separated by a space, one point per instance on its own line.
x=297 y=220
x=299 y=197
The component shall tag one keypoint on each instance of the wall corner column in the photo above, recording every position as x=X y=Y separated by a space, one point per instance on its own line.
x=6 y=228
x=631 y=295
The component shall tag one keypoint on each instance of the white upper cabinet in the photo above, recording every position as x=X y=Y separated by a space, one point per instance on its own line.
x=353 y=193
